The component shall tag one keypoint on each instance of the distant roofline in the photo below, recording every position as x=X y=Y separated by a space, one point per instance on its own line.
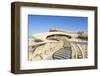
x=61 y=30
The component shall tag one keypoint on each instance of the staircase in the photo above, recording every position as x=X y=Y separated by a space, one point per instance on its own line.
x=63 y=53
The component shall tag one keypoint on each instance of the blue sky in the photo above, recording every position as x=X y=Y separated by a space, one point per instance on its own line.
x=42 y=23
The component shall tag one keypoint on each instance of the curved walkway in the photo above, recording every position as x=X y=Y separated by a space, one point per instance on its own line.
x=63 y=53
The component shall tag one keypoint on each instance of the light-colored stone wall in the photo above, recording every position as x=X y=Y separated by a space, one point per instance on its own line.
x=45 y=51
